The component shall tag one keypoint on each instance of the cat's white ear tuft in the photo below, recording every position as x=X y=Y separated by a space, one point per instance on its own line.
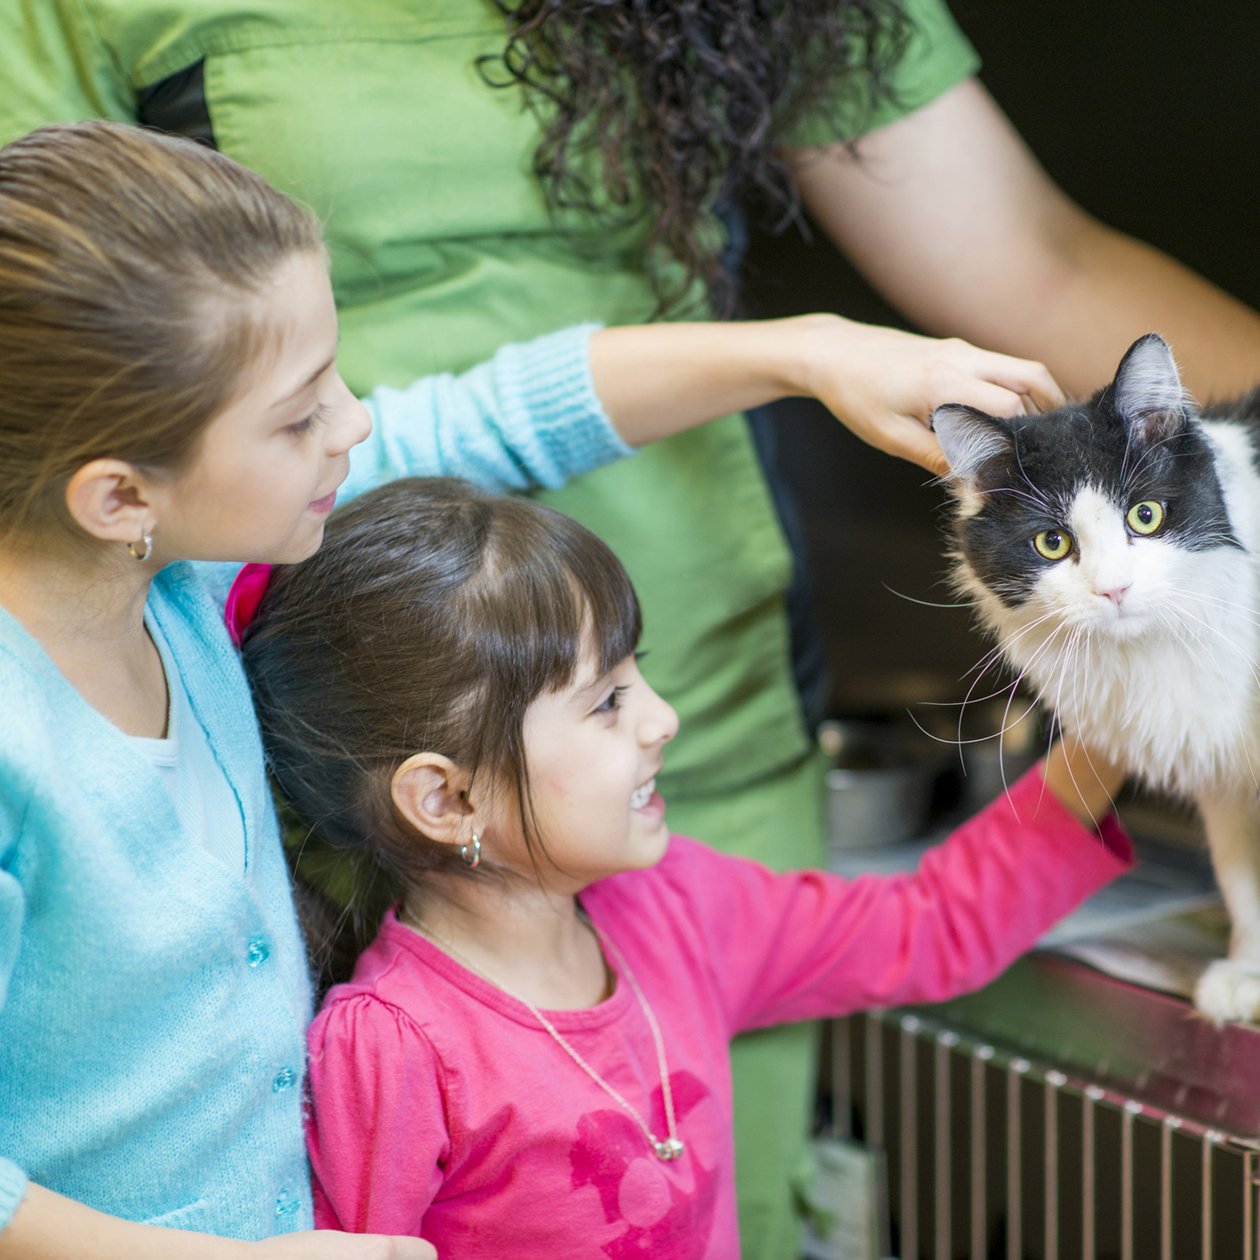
x=969 y=438
x=1147 y=391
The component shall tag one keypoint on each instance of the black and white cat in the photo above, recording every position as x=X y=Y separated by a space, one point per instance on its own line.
x=1113 y=549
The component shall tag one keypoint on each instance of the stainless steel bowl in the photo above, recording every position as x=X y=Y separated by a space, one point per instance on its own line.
x=880 y=780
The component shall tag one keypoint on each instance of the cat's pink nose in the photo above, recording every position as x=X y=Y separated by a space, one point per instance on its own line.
x=1115 y=593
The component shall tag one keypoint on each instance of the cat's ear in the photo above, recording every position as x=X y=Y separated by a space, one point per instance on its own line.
x=969 y=438
x=1147 y=392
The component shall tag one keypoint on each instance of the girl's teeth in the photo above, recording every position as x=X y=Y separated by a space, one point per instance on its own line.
x=643 y=795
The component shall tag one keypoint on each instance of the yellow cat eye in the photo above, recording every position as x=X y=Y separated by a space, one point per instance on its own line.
x=1145 y=517
x=1053 y=544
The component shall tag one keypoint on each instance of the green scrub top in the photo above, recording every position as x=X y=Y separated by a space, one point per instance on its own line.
x=375 y=115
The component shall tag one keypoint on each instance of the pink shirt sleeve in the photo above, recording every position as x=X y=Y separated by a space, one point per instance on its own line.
x=376 y=1126
x=811 y=944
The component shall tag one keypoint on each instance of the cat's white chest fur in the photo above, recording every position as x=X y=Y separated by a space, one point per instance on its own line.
x=1146 y=649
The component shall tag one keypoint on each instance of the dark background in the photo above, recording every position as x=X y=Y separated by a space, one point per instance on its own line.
x=1148 y=115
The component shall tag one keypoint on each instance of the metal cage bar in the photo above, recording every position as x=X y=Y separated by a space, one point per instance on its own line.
x=941 y=1145
x=978 y=1163
x=1014 y=1160
x=1170 y=1126
x=1130 y=1111
x=1054 y=1082
x=1030 y=1162
x=909 y=1217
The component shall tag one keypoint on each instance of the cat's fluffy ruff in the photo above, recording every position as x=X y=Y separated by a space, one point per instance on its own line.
x=1147 y=647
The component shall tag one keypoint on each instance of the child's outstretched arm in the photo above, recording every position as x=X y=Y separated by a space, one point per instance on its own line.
x=656 y=379
x=541 y=412
x=812 y=944
x=47 y=1226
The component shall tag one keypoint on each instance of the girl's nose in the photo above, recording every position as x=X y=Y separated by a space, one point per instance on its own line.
x=350 y=424
x=660 y=723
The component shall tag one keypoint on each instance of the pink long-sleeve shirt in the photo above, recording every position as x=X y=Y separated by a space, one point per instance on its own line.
x=442 y=1108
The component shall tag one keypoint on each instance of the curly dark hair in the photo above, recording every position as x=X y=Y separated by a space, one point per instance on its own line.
x=681 y=106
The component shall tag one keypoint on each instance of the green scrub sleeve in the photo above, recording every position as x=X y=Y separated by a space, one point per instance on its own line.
x=937 y=56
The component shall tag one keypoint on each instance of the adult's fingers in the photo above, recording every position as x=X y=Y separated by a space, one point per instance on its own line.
x=984 y=395
x=908 y=439
x=1022 y=376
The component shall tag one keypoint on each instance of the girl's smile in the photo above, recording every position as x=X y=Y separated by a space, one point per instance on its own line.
x=644 y=794
x=648 y=802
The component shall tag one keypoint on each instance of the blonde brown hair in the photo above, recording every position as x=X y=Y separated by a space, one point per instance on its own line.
x=128 y=260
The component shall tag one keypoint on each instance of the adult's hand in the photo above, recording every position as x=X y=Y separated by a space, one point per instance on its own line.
x=884 y=384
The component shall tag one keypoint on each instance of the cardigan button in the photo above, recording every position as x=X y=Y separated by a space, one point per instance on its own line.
x=286 y=1078
x=287 y=1204
x=257 y=951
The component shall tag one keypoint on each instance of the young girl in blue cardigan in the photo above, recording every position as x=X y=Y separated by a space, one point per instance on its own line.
x=170 y=408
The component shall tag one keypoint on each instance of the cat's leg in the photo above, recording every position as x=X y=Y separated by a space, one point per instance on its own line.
x=1230 y=987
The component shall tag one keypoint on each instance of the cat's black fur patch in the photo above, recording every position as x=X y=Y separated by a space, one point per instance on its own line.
x=1243 y=412
x=1050 y=458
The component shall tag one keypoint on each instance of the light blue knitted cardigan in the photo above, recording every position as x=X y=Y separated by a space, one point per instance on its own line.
x=153 y=1002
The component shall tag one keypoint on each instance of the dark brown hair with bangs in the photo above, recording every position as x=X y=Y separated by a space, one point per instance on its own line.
x=430 y=620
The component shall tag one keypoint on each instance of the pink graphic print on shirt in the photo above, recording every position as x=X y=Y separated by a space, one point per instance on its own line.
x=666 y=1209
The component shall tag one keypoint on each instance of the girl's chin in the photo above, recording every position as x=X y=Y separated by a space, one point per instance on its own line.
x=303 y=545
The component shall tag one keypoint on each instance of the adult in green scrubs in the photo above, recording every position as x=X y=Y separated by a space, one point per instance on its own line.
x=444 y=247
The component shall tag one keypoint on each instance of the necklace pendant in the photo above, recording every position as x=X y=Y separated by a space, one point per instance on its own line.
x=671 y=1148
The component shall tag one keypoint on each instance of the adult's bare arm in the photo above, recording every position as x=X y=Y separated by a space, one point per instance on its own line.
x=949 y=215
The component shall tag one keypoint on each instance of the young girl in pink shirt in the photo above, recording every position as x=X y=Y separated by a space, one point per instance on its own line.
x=531 y=1059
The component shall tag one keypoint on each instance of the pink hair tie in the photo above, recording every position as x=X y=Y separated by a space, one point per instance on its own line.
x=248 y=588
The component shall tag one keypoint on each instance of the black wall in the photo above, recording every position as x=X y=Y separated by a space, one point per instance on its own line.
x=1146 y=113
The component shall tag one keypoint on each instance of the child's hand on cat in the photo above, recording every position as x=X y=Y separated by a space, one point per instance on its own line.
x=884 y=384
x=1083 y=780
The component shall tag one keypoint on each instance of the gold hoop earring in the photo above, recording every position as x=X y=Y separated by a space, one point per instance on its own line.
x=470 y=852
x=144 y=549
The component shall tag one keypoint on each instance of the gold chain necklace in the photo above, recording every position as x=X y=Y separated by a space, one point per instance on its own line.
x=669 y=1148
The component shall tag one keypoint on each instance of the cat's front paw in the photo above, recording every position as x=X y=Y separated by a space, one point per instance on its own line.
x=1228 y=990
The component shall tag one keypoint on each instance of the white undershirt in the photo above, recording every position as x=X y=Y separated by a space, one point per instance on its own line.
x=204 y=802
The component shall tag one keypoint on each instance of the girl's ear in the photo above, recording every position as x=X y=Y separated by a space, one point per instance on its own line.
x=108 y=500
x=431 y=793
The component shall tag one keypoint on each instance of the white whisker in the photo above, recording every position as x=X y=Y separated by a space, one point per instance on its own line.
x=924 y=603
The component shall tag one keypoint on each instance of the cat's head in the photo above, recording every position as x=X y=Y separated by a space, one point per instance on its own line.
x=1089 y=517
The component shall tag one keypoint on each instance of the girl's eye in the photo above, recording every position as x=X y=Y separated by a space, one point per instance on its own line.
x=305 y=425
x=1053 y=544
x=612 y=701
x=1146 y=517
